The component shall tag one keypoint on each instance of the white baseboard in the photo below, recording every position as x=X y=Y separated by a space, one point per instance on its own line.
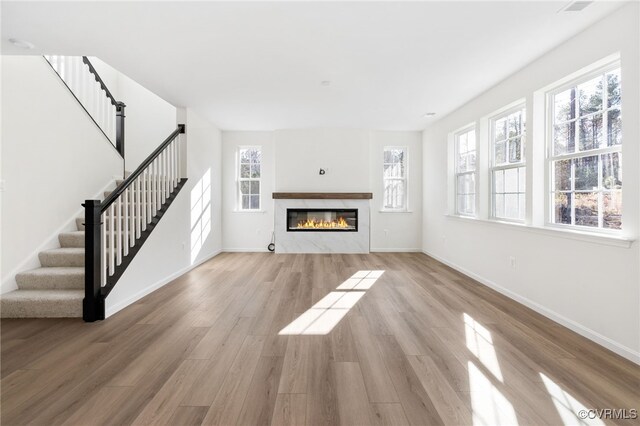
x=244 y=250
x=592 y=335
x=395 y=250
x=155 y=286
x=51 y=242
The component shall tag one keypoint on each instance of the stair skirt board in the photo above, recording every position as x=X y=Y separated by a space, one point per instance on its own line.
x=56 y=289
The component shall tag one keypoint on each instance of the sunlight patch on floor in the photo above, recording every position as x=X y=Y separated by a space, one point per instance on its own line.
x=490 y=406
x=322 y=317
x=480 y=343
x=568 y=407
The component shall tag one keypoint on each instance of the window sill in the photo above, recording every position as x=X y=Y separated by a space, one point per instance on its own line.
x=591 y=237
x=248 y=211
x=394 y=211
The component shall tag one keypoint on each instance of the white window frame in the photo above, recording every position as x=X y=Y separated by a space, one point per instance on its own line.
x=404 y=179
x=551 y=158
x=240 y=179
x=456 y=136
x=494 y=168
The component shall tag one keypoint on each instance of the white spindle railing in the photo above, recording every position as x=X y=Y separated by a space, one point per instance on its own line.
x=128 y=216
x=82 y=83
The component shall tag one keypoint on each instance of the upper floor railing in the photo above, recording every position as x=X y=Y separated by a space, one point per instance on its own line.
x=86 y=85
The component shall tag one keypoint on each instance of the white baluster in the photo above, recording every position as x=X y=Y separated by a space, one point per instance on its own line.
x=176 y=165
x=167 y=154
x=107 y=110
x=171 y=167
x=111 y=122
x=147 y=184
x=81 y=83
x=163 y=174
x=97 y=100
x=154 y=193
x=132 y=224
x=158 y=183
x=63 y=68
x=138 y=215
x=179 y=159
x=112 y=240
x=125 y=237
x=73 y=75
x=119 y=230
x=99 y=106
x=70 y=74
x=143 y=200
x=103 y=258
x=165 y=182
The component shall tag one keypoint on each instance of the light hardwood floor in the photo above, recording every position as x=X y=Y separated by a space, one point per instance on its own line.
x=424 y=345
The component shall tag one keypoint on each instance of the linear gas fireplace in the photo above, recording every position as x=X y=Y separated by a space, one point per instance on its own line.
x=322 y=220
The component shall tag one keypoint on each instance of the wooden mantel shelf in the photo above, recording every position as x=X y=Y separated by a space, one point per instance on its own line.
x=323 y=195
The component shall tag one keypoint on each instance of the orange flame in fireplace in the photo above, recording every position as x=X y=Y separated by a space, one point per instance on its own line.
x=314 y=223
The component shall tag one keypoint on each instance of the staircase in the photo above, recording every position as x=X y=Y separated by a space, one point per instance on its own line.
x=75 y=279
x=56 y=289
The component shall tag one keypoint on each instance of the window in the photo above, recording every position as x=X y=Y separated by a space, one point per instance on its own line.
x=395 y=178
x=465 y=167
x=249 y=178
x=585 y=153
x=508 y=170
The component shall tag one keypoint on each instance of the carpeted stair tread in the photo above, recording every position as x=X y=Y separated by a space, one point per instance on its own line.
x=42 y=304
x=51 y=278
x=56 y=289
x=64 y=256
x=71 y=239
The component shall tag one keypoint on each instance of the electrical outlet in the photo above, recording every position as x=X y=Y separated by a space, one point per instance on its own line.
x=512 y=262
x=386 y=232
x=184 y=245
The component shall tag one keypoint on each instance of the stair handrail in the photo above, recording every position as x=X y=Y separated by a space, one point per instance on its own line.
x=132 y=211
x=99 y=79
x=140 y=169
x=120 y=106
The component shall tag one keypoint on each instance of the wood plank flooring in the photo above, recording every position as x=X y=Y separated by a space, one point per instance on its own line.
x=423 y=345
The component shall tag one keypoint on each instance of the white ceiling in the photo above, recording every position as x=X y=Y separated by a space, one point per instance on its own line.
x=258 y=66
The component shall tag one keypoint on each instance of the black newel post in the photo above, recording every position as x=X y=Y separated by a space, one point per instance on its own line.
x=120 y=128
x=93 y=303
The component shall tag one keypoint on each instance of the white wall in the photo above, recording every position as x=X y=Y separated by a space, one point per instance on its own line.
x=167 y=253
x=247 y=231
x=53 y=158
x=149 y=119
x=587 y=285
x=291 y=162
x=397 y=231
x=342 y=153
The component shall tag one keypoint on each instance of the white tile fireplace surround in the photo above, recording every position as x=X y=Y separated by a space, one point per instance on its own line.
x=322 y=241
